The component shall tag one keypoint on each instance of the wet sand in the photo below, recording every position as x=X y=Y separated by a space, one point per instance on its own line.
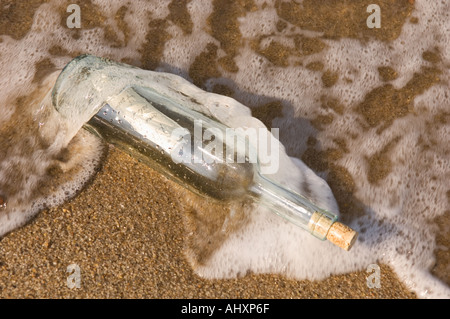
x=125 y=231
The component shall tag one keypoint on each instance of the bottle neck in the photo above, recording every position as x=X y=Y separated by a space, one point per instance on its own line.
x=292 y=206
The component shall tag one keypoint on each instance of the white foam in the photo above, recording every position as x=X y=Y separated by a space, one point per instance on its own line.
x=20 y=213
x=33 y=150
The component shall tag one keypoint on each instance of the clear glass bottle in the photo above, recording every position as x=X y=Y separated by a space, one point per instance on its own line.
x=136 y=111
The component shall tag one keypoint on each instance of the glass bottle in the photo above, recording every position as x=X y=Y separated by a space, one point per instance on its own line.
x=144 y=114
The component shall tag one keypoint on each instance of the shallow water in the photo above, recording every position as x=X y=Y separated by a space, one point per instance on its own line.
x=366 y=109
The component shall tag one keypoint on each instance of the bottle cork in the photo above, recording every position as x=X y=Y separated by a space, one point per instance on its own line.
x=337 y=233
x=341 y=235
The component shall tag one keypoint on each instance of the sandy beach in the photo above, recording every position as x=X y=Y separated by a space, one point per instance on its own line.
x=126 y=233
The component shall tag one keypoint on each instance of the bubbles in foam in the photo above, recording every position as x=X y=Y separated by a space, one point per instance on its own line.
x=41 y=165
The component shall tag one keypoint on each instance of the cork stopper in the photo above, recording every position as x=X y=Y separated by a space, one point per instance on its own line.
x=337 y=233
x=341 y=235
x=319 y=224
